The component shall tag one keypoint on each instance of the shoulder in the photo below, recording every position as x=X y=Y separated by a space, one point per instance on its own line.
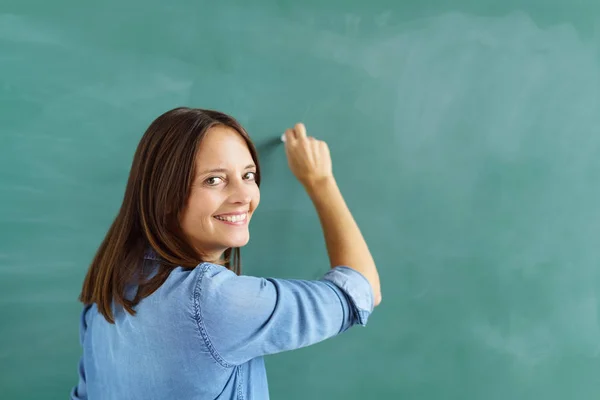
x=191 y=282
x=214 y=288
x=216 y=285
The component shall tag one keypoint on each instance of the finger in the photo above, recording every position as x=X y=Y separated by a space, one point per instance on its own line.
x=325 y=148
x=290 y=136
x=300 y=130
x=315 y=147
x=322 y=149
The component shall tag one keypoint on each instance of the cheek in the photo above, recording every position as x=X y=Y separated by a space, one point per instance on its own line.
x=199 y=210
x=255 y=199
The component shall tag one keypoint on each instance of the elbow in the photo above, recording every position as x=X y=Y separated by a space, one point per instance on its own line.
x=377 y=299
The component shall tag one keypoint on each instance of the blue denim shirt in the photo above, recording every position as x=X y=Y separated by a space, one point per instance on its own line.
x=204 y=332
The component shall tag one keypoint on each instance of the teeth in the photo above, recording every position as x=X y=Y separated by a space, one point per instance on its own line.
x=232 y=218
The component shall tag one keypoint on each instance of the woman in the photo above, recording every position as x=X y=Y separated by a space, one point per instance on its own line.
x=167 y=313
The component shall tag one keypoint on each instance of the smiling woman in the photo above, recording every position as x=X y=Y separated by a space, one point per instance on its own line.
x=223 y=194
x=167 y=312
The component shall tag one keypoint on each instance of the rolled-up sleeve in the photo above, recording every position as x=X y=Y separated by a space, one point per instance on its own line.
x=243 y=317
x=357 y=289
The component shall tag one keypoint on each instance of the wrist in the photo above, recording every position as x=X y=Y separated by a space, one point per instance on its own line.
x=319 y=186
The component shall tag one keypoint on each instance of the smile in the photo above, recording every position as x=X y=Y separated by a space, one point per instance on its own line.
x=238 y=219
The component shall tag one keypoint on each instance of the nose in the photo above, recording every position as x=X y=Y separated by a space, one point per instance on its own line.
x=241 y=192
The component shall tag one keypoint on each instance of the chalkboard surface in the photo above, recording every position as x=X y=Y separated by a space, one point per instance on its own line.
x=464 y=137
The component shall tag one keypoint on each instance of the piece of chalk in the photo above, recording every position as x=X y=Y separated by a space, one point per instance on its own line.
x=283 y=137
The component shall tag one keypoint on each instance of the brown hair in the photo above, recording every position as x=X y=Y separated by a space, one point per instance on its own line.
x=157 y=190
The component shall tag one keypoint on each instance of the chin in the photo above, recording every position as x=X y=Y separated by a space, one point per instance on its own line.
x=239 y=242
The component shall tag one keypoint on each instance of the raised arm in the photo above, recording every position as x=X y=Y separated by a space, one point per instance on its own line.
x=310 y=161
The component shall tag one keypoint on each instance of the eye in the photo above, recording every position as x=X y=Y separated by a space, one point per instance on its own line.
x=250 y=175
x=213 y=181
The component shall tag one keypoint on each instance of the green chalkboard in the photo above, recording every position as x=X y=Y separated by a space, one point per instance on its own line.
x=464 y=134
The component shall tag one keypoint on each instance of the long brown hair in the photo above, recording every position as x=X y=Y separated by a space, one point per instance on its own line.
x=157 y=190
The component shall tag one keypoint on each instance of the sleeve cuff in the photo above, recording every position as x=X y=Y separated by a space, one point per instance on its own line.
x=358 y=289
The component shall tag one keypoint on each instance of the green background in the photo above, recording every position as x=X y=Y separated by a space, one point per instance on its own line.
x=464 y=136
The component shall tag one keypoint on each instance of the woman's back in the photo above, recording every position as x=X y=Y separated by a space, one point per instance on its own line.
x=203 y=333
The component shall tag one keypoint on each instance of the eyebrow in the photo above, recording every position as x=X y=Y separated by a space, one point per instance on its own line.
x=210 y=171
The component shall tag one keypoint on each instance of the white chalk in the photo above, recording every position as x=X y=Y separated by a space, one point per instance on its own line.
x=283 y=137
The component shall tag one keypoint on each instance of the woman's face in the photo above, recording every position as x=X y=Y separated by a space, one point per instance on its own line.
x=223 y=194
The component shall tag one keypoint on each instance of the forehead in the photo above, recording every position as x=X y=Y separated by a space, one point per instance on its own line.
x=222 y=145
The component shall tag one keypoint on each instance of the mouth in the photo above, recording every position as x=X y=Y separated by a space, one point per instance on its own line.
x=233 y=219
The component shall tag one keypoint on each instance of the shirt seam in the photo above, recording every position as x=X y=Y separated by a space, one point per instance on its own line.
x=332 y=285
x=200 y=320
x=240 y=391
